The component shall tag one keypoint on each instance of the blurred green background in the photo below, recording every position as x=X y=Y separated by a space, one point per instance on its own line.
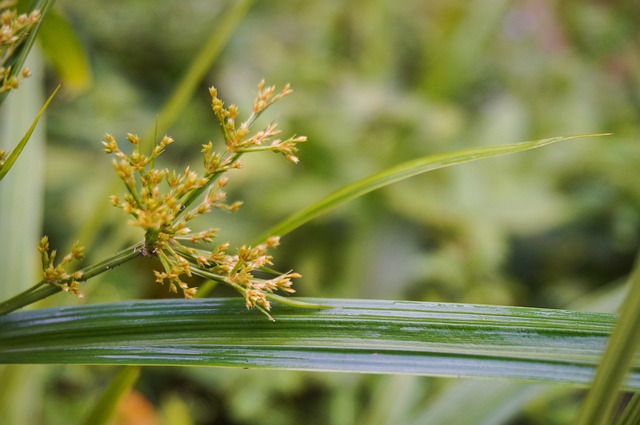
x=377 y=82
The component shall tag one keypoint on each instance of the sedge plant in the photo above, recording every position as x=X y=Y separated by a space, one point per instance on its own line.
x=164 y=202
x=348 y=335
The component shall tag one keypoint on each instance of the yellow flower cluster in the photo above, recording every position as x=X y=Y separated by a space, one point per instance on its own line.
x=56 y=274
x=13 y=29
x=159 y=201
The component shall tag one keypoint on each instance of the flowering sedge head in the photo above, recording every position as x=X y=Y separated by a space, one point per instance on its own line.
x=162 y=202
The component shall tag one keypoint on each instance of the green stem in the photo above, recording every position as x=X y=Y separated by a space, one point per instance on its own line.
x=43 y=289
x=211 y=276
x=37 y=292
x=256 y=149
x=114 y=261
x=194 y=194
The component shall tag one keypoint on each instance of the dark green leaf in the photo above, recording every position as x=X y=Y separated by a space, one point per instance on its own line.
x=450 y=340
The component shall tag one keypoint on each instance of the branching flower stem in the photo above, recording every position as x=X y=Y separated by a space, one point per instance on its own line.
x=162 y=203
x=44 y=289
x=190 y=197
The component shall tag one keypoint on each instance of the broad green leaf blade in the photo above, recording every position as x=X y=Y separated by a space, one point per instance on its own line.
x=119 y=387
x=401 y=172
x=450 y=340
x=13 y=156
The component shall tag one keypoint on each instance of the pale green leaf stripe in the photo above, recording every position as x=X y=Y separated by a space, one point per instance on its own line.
x=401 y=172
x=354 y=336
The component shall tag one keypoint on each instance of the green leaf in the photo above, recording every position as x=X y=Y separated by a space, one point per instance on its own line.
x=602 y=399
x=401 y=172
x=631 y=415
x=432 y=339
x=220 y=36
x=13 y=156
x=65 y=53
x=119 y=387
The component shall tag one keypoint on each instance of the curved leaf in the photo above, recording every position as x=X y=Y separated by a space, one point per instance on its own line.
x=401 y=172
x=432 y=339
x=13 y=156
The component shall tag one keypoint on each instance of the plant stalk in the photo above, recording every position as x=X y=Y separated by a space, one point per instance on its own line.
x=44 y=289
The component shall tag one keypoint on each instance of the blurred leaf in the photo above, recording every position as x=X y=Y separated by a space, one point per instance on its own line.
x=21 y=393
x=364 y=336
x=21 y=212
x=401 y=172
x=175 y=411
x=13 y=156
x=22 y=190
x=65 y=53
x=631 y=415
x=119 y=387
x=196 y=71
x=485 y=403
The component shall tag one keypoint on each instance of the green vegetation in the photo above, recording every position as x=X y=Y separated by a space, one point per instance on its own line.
x=483 y=293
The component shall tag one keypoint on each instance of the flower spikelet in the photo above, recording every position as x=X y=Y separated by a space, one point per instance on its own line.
x=14 y=28
x=163 y=203
x=56 y=274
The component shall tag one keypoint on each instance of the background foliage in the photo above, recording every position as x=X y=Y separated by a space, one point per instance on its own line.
x=377 y=83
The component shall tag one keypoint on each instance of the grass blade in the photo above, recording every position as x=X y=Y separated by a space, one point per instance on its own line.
x=603 y=395
x=401 y=172
x=207 y=55
x=13 y=156
x=364 y=336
